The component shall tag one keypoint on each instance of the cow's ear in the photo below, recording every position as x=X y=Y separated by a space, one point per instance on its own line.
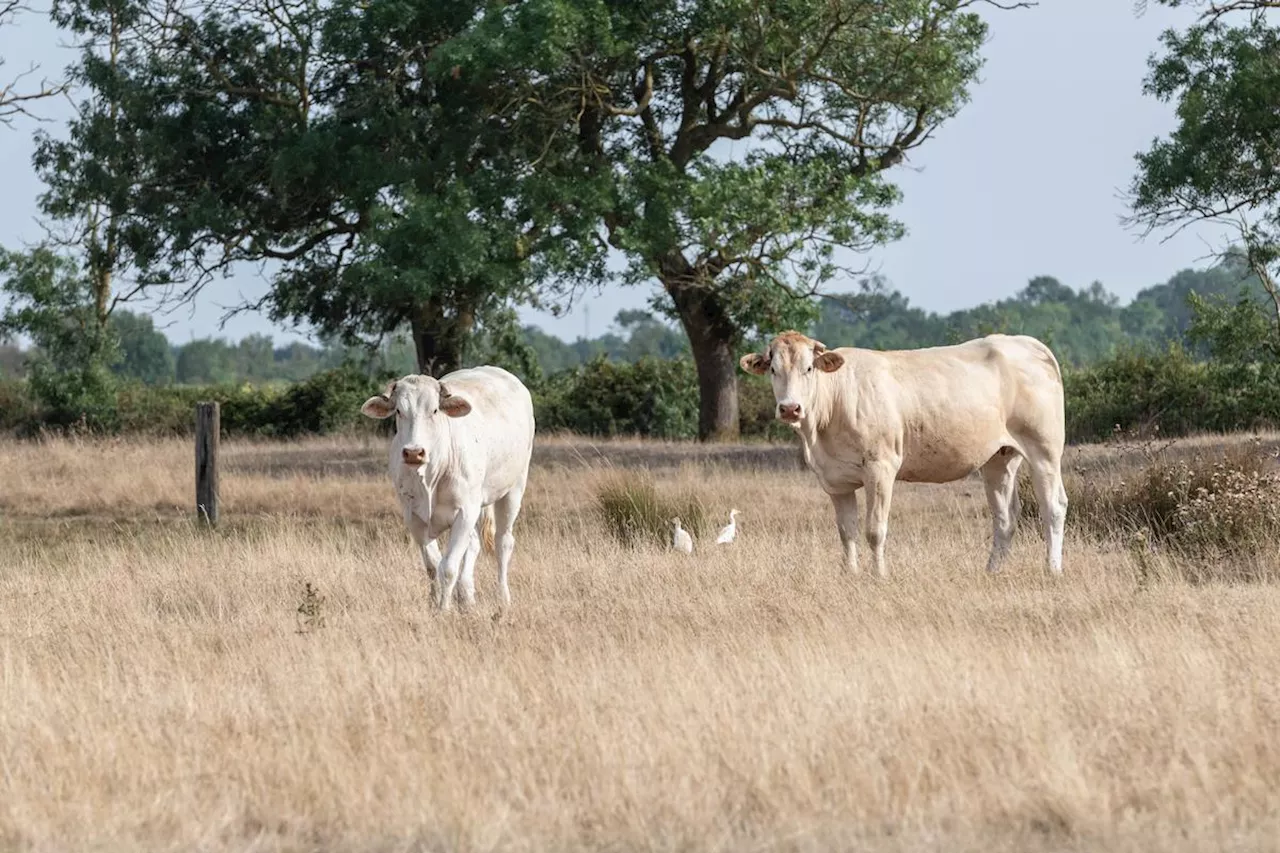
x=378 y=407
x=829 y=362
x=453 y=405
x=754 y=363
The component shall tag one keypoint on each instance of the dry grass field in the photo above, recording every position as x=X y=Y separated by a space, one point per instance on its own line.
x=161 y=690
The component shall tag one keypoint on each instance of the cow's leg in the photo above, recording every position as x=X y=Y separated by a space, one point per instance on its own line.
x=459 y=543
x=505 y=511
x=1051 y=496
x=431 y=558
x=846 y=507
x=1000 y=475
x=878 y=480
x=466 y=590
x=427 y=548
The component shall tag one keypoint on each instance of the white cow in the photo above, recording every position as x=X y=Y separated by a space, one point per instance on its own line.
x=459 y=462
x=868 y=418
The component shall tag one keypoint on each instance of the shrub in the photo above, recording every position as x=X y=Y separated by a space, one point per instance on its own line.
x=17 y=409
x=1237 y=511
x=327 y=402
x=633 y=512
x=1203 y=507
x=655 y=398
x=1138 y=391
x=78 y=399
x=154 y=411
x=652 y=397
x=245 y=409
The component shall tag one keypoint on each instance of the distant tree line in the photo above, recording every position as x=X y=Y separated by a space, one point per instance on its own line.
x=142 y=353
x=1083 y=327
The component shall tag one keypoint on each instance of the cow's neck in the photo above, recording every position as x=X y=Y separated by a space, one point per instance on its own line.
x=831 y=399
x=439 y=455
x=831 y=409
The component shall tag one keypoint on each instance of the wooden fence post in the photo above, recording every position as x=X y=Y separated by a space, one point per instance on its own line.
x=208 y=425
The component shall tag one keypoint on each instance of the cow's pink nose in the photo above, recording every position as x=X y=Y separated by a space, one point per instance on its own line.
x=789 y=411
x=413 y=455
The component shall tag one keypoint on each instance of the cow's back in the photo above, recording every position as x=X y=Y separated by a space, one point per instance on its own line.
x=946 y=410
x=494 y=442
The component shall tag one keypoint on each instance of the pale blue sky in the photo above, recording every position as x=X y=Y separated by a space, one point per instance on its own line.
x=1026 y=181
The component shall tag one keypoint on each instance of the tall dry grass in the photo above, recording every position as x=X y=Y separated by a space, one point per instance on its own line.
x=161 y=690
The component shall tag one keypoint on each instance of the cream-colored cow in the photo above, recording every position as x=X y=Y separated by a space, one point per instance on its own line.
x=868 y=418
x=460 y=462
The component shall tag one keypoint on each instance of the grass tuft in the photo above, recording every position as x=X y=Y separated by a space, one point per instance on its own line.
x=634 y=512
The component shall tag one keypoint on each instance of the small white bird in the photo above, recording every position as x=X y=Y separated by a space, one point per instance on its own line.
x=680 y=538
x=730 y=530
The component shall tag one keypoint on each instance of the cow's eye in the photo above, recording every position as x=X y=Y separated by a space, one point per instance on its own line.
x=809 y=369
x=433 y=411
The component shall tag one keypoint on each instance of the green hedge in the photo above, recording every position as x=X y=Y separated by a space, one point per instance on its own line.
x=652 y=398
x=656 y=398
x=659 y=399
x=1141 y=390
x=327 y=402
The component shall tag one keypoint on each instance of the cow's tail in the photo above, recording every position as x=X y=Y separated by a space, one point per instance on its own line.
x=487 y=529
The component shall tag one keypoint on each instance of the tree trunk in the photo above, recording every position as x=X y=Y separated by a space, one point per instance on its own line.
x=711 y=337
x=440 y=339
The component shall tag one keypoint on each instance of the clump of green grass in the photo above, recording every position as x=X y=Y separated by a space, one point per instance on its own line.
x=634 y=512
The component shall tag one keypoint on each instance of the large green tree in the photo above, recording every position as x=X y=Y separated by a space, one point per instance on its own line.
x=49 y=301
x=327 y=139
x=1221 y=162
x=61 y=293
x=821 y=97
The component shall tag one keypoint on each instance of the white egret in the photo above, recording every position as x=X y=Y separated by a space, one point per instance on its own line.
x=730 y=530
x=680 y=538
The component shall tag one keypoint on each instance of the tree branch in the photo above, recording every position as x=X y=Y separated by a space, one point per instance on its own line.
x=707 y=91
x=336 y=230
x=1006 y=6
x=1219 y=10
x=644 y=94
x=14 y=102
